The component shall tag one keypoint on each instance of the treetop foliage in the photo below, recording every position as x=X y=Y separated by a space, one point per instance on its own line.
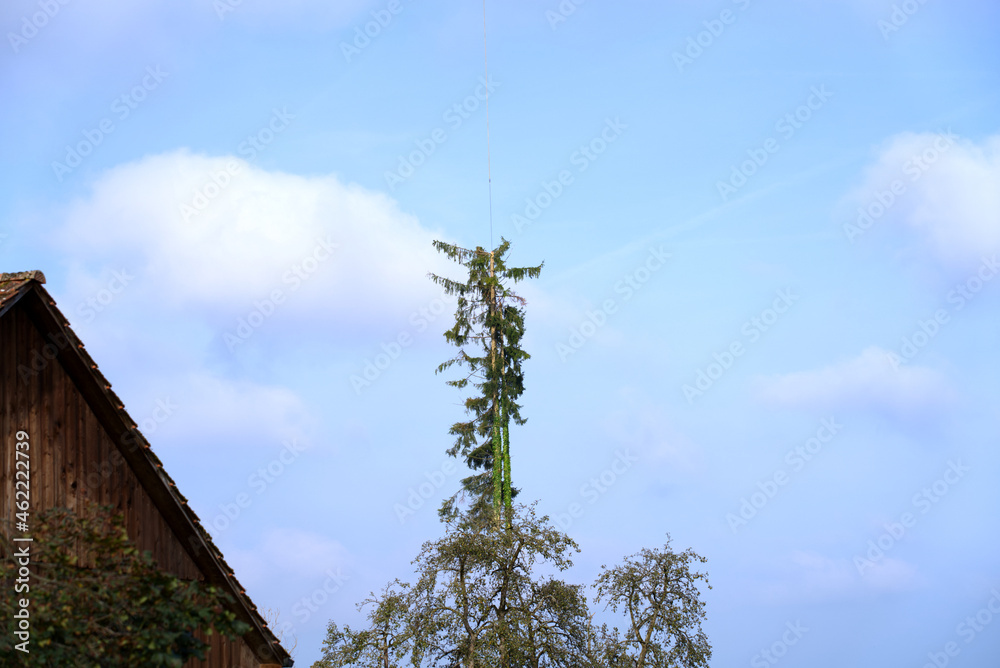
x=480 y=602
x=659 y=591
x=489 y=325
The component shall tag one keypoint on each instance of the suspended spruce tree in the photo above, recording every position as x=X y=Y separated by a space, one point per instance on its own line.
x=489 y=324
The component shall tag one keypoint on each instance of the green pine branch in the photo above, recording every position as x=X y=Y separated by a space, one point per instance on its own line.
x=489 y=326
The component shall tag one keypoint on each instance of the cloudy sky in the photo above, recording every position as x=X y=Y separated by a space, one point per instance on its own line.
x=767 y=321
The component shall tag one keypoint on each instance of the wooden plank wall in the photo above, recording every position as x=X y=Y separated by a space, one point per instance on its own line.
x=71 y=462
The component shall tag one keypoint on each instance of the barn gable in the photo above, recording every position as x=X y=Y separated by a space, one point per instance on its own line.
x=87 y=448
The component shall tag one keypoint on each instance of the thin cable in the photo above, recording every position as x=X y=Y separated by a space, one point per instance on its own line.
x=489 y=170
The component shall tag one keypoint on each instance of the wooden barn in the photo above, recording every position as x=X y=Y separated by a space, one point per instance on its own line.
x=51 y=388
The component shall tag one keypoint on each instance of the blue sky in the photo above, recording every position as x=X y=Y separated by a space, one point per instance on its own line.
x=767 y=321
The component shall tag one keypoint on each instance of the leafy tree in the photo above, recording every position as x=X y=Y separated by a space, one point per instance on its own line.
x=384 y=644
x=480 y=602
x=554 y=630
x=604 y=649
x=658 y=590
x=95 y=600
x=489 y=324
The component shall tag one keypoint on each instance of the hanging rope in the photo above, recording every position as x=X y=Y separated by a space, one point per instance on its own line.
x=489 y=171
x=501 y=440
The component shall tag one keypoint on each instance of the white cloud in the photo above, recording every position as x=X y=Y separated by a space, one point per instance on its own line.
x=238 y=411
x=868 y=381
x=314 y=14
x=191 y=279
x=264 y=231
x=819 y=575
x=118 y=18
x=304 y=577
x=889 y=574
x=299 y=556
x=811 y=576
x=644 y=425
x=947 y=193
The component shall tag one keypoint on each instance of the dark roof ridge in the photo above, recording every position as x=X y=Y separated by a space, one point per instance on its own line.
x=33 y=275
